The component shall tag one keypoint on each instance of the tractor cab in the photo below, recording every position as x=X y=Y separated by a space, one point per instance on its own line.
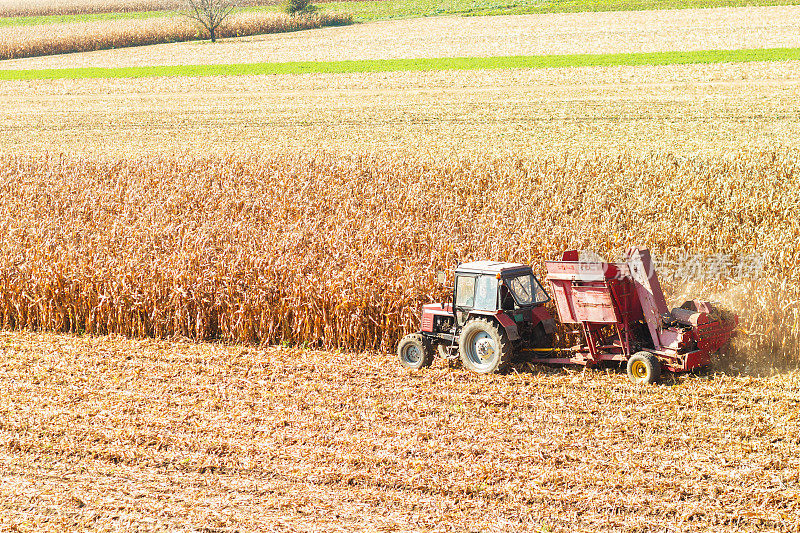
x=487 y=286
x=496 y=309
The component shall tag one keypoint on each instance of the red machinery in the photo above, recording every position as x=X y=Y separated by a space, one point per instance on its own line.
x=624 y=317
x=498 y=310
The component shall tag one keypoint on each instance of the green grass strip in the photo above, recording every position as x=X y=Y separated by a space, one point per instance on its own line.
x=398 y=65
x=389 y=9
x=93 y=17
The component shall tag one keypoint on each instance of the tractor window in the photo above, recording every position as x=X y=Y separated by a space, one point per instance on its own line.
x=486 y=293
x=465 y=291
x=526 y=290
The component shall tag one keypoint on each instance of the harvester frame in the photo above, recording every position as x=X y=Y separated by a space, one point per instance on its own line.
x=623 y=316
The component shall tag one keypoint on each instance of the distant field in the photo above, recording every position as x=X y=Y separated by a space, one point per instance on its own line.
x=447 y=37
x=385 y=9
x=100 y=434
x=688 y=109
x=71 y=19
x=45 y=12
x=60 y=39
x=59 y=8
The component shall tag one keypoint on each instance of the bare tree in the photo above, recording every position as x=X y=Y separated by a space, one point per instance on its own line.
x=209 y=14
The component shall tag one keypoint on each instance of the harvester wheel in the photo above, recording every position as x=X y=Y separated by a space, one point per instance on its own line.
x=644 y=368
x=414 y=352
x=483 y=347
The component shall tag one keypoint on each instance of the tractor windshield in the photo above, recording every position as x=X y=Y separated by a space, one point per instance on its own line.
x=526 y=289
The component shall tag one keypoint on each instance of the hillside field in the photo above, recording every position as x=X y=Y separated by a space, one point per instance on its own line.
x=683 y=109
x=553 y=33
x=202 y=281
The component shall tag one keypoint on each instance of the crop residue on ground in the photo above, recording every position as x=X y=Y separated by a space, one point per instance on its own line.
x=182 y=435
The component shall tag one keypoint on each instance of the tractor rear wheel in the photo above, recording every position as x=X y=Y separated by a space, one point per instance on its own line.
x=483 y=347
x=414 y=352
x=644 y=368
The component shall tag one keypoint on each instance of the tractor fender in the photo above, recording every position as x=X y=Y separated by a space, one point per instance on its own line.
x=542 y=316
x=508 y=324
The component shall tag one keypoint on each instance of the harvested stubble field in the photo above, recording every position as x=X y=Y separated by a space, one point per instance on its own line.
x=558 y=33
x=111 y=434
x=685 y=109
x=339 y=252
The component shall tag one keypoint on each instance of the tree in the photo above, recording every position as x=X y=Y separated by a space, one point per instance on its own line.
x=209 y=14
x=300 y=7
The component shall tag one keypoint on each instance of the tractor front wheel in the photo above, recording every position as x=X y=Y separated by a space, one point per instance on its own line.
x=414 y=352
x=483 y=347
x=644 y=368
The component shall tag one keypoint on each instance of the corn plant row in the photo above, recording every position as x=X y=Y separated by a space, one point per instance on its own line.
x=340 y=252
x=51 y=39
x=40 y=8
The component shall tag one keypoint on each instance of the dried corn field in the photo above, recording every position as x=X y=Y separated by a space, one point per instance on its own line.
x=57 y=39
x=306 y=210
x=111 y=434
x=38 y=8
x=339 y=252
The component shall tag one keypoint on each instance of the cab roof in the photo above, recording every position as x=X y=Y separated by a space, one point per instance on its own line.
x=490 y=267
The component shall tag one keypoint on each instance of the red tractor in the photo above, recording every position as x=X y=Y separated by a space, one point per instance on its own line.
x=499 y=310
x=621 y=310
